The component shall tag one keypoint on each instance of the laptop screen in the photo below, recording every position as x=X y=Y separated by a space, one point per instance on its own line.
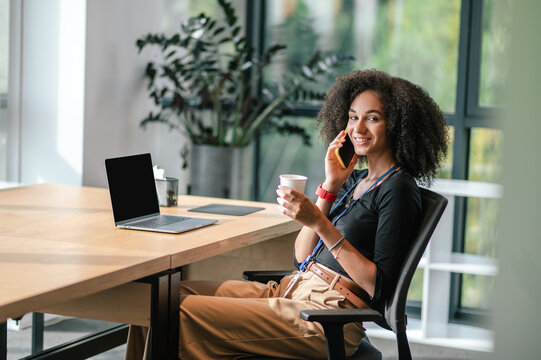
x=132 y=186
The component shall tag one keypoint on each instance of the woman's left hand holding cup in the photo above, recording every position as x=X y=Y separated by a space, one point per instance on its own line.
x=297 y=206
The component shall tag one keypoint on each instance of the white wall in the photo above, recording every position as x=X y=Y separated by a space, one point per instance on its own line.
x=518 y=315
x=78 y=92
x=115 y=96
x=46 y=126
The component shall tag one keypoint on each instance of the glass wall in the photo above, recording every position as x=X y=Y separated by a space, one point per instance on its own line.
x=495 y=46
x=481 y=233
x=485 y=165
x=414 y=39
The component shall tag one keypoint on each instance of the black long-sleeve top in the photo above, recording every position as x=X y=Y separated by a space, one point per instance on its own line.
x=381 y=226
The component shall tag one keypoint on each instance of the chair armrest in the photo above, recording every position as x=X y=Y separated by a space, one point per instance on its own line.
x=333 y=321
x=265 y=275
x=343 y=316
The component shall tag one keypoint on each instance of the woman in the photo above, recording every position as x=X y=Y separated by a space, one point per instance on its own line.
x=354 y=238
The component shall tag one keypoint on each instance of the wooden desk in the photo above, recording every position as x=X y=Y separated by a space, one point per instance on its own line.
x=58 y=243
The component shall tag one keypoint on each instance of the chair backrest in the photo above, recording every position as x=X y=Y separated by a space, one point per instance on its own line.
x=433 y=205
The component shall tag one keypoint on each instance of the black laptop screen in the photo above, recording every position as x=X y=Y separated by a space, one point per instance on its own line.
x=132 y=186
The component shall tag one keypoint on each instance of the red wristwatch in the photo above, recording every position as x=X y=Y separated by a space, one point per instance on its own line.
x=324 y=194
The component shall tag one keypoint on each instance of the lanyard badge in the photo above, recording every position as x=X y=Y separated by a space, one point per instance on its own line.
x=291 y=283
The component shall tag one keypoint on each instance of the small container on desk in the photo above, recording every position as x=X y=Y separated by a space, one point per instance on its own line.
x=167 y=191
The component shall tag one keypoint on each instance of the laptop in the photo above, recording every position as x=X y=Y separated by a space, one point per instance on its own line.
x=134 y=198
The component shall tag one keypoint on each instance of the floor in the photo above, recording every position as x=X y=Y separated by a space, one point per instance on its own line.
x=59 y=330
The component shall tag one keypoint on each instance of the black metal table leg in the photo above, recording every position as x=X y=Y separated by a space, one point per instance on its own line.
x=158 y=317
x=165 y=292
x=3 y=341
x=37 y=332
x=85 y=347
x=165 y=300
x=174 y=303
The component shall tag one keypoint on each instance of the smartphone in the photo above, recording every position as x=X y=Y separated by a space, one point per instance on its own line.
x=346 y=152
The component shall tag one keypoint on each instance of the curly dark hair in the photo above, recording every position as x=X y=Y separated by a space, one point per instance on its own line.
x=414 y=123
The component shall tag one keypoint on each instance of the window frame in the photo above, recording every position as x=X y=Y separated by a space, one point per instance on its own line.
x=468 y=114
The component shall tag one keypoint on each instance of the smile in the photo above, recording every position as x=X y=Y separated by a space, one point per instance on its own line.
x=362 y=140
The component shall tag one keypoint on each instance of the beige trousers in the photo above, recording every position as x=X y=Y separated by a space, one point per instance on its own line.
x=234 y=319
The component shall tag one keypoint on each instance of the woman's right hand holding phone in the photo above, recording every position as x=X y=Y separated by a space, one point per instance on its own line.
x=335 y=174
x=335 y=177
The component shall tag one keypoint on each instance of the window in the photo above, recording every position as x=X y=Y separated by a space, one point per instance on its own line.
x=4 y=70
x=415 y=292
x=414 y=39
x=481 y=157
x=481 y=235
x=476 y=293
x=447 y=166
x=495 y=44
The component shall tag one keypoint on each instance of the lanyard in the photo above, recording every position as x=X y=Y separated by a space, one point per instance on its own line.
x=320 y=242
x=306 y=261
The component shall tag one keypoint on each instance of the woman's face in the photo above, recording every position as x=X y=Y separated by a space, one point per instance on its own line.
x=366 y=125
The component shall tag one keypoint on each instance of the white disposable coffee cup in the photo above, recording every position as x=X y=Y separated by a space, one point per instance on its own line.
x=296 y=182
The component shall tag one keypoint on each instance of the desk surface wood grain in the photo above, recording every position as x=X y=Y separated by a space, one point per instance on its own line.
x=59 y=242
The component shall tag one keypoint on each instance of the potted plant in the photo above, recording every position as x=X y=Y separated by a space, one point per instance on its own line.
x=207 y=87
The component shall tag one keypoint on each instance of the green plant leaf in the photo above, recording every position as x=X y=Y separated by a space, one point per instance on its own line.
x=178 y=102
x=140 y=44
x=150 y=73
x=154 y=95
x=272 y=51
x=218 y=31
x=151 y=118
x=307 y=72
x=229 y=12
x=170 y=74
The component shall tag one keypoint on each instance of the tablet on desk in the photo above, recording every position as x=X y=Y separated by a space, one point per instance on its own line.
x=235 y=210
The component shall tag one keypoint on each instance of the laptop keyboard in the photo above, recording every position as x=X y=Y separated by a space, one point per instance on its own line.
x=160 y=221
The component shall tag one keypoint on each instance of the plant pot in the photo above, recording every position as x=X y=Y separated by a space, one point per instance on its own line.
x=221 y=171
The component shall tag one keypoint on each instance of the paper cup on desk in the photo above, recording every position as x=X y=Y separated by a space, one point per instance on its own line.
x=296 y=182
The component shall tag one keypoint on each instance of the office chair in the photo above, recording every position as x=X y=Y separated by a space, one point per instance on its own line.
x=394 y=317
